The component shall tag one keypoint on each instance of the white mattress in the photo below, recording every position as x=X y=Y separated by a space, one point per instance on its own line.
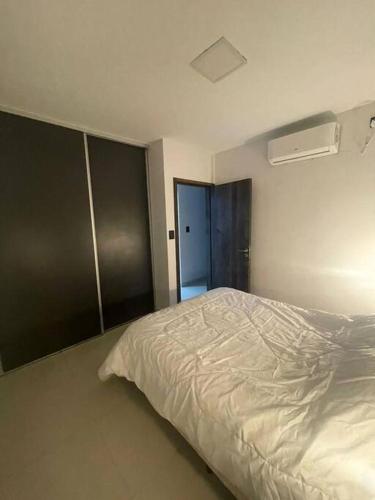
x=279 y=401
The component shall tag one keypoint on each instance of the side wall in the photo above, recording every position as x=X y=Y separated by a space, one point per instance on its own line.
x=156 y=190
x=183 y=161
x=170 y=158
x=313 y=232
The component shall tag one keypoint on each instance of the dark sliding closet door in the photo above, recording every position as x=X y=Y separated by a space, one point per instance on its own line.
x=48 y=288
x=119 y=187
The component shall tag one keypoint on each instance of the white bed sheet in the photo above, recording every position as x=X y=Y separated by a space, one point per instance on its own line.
x=278 y=400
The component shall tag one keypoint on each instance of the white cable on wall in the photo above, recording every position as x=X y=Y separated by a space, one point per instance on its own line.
x=369 y=137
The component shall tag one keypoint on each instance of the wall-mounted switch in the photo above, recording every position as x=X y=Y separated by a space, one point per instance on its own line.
x=188 y=229
x=171 y=234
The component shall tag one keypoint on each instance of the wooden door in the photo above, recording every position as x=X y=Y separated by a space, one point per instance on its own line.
x=231 y=231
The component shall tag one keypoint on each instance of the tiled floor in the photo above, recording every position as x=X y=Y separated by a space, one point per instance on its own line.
x=64 y=435
x=193 y=289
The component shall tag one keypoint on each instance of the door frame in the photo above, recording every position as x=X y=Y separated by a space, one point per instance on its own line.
x=188 y=182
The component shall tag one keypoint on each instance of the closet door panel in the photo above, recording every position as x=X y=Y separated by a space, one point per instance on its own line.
x=48 y=285
x=119 y=186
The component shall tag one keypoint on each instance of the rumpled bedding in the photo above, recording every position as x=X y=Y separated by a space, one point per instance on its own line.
x=278 y=400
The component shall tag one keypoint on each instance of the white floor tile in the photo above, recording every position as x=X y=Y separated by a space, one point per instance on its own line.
x=66 y=435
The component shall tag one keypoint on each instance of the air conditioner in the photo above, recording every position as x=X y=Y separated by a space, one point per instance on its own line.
x=311 y=143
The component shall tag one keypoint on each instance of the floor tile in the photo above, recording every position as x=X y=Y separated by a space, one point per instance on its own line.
x=80 y=468
x=64 y=434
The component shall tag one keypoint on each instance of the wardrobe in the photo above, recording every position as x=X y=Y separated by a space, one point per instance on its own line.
x=75 y=253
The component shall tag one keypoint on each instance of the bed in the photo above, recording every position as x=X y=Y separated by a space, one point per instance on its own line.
x=279 y=401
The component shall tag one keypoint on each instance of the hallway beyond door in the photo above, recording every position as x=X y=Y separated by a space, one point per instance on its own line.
x=193 y=242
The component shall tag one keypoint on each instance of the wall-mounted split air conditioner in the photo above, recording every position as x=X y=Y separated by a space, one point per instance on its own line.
x=311 y=143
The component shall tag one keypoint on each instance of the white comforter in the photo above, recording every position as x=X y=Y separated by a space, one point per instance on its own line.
x=278 y=400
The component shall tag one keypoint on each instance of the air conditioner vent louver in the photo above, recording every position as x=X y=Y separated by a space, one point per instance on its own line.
x=311 y=143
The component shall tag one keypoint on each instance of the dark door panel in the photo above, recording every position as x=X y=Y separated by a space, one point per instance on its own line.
x=231 y=219
x=119 y=185
x=48 y=287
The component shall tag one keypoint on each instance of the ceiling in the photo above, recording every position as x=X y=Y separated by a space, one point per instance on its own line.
x=121 y=67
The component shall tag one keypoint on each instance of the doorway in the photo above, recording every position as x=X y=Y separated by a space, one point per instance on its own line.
x=193 y=238
x=213 y=236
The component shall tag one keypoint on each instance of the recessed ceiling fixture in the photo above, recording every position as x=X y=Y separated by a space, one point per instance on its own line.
x=218 y=61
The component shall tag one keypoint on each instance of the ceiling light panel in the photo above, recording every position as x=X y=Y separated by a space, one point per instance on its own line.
x=218 y=61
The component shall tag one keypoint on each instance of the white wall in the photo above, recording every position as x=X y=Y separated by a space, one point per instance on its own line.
x=194 y=245
x=170 y=158
x=158 y=223
x=313 y=233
